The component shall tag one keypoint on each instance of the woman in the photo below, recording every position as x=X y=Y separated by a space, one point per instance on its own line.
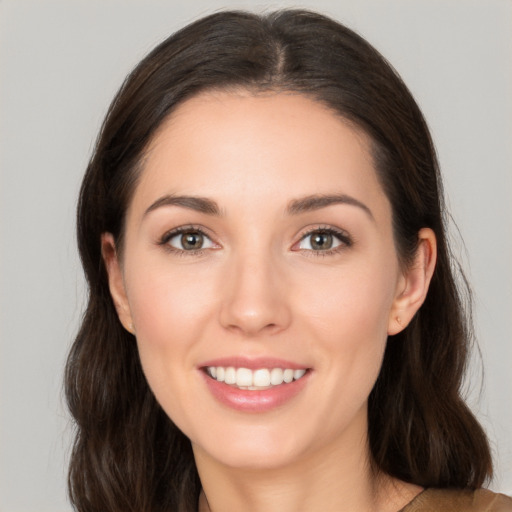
x=273 y=322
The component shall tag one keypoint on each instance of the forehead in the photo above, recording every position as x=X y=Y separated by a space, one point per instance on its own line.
x=256 y=147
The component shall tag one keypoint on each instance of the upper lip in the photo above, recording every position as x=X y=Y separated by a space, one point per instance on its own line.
x=254 y=363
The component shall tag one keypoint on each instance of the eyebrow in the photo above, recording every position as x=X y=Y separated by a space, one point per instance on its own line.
x=295 y=207
x=318 y=201
x=199 y=204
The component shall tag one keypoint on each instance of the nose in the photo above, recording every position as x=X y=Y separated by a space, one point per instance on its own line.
x=255 y=297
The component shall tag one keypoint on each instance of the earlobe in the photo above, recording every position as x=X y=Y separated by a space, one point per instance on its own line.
x=414 y=283
x=115 y=281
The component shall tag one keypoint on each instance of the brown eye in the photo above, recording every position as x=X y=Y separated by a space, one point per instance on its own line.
x=188 y=241
x=323 y=240
x=191 y=241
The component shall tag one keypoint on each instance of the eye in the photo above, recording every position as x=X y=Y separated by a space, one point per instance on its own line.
x=187 y=240
x=324 y=240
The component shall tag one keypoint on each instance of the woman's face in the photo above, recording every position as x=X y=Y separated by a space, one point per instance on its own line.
x=259 y=242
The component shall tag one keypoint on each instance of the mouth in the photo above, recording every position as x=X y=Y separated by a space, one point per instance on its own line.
x=255 y=385
x=254 y=380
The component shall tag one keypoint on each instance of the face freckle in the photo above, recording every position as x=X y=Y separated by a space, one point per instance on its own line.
x=257 y=281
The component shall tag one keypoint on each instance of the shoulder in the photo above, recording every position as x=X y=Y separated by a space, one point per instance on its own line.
x=459 y=500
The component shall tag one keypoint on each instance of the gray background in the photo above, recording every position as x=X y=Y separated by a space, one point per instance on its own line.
x=60 y=64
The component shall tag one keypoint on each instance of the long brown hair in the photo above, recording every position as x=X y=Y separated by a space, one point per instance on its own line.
x=128 y=455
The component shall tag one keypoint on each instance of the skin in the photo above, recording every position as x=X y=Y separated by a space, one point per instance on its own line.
x=258 y=288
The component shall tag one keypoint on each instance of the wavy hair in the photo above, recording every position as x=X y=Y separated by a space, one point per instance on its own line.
x=127 y=454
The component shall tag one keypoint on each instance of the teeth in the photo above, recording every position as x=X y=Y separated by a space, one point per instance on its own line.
x=276 y=376
x=243 y=377
x=262 y=378
x=297 y=374
x=288 y=376
x=230 y=376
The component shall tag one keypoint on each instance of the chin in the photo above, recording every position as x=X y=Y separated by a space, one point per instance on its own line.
x=255 y=448
x=254 y=458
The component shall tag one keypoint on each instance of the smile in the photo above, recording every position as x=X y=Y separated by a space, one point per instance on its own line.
x=254 y=380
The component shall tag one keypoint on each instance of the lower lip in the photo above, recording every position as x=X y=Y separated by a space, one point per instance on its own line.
x=256 y=400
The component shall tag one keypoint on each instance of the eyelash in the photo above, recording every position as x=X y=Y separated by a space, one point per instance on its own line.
x=342 y=236
x=169 y=235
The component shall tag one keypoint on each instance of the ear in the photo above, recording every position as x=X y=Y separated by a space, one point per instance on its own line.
x=413 y=284
x=116 y=281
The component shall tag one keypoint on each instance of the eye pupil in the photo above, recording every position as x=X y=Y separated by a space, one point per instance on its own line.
x=191 y=241
x=321 y=241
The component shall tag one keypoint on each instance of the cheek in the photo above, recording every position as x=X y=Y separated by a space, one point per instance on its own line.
x=346 y=321
x=355 y=300
x=169 y=306
x=170 y=310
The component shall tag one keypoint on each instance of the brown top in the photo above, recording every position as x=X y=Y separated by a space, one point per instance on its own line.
x=457 y=500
